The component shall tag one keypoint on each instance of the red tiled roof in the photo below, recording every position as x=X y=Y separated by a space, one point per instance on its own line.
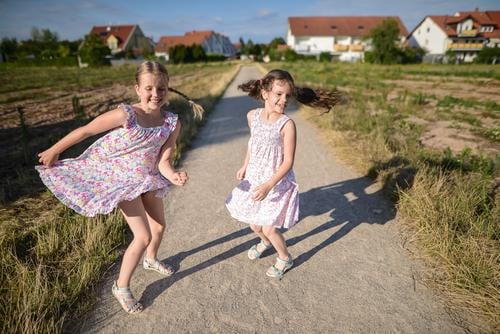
x=121 y=32
x=189 y=38
x=448 y=23
x=480 y=17
x=338 y=25
x=494 y=15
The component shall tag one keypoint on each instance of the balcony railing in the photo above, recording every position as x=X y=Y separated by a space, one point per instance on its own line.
x=356 y=47
x=341 y=47
x=465 y=46
x=469 y=33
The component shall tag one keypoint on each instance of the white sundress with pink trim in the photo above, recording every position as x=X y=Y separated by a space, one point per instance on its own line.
x=281 y=206
x=120 y=166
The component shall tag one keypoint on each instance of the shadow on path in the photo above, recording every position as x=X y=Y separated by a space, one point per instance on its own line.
x=347 y=202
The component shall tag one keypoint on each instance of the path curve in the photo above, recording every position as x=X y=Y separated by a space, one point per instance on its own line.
x=351 y=275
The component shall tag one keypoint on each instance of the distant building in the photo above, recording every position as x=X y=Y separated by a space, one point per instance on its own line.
x=211 y=42
x=124 y=38
x=344 y=37
x=465 y=33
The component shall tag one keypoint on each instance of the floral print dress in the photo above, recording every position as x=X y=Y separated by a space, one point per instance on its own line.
x=120 y=166
x=281 y=206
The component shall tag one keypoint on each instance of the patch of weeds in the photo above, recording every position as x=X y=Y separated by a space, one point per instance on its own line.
x=492 y=134
x=466 y=161
x=419 y=99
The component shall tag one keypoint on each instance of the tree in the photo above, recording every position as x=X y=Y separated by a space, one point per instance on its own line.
x=44 y=35
x=275 y=42
x=8 y=48
x=198 y=53
x=177 y=54
x=412 y=55
x=488 y=56
x=384 y=39
x=93 y=51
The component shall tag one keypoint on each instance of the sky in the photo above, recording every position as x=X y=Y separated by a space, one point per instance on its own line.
x=258 y=20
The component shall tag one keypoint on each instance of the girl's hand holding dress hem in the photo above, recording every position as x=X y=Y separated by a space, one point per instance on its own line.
x=260 y=192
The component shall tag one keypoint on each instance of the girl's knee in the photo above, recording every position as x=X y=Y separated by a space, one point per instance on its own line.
x=268 y=230
x=157 y=228
x=256 y=228
x=142 y=240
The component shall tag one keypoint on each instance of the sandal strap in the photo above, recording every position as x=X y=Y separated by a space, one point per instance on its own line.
x=159 y=266
x=284 y=262
x=264 y=244
x=125 y=298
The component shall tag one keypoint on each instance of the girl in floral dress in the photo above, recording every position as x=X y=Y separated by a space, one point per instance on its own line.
x=128 y=168
x=267 y=198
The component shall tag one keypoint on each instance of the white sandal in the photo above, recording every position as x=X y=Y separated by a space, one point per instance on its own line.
x=273 y=271
x=159 y=267
x=126 y=299
x=253 y=253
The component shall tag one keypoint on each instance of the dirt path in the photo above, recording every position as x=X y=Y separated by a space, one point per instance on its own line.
x=350 y=274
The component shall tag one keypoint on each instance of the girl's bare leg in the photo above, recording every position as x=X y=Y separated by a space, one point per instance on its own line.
x=136 y=218
x=277 y=240
x=156 y=221
x=258 y=230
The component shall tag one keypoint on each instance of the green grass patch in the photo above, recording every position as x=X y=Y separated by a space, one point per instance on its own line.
x=451 y=200
x=51 y=258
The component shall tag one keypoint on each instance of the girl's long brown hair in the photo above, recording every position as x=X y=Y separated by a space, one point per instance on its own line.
x=157 y=68
x=317 y=98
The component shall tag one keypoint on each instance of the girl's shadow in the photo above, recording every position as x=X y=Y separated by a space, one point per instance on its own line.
x=348 y=203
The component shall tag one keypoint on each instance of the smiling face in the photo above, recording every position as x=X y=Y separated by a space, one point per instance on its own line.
x=152 y=91
x=276 y=99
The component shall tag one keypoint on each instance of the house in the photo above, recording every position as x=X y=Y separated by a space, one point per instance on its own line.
x=211 y=42
x=124 y=38
x=464 y=33
x=344 y=37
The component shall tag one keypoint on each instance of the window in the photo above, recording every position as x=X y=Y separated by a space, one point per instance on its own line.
x=361 y=27
x=333 y=27
x=428 y=29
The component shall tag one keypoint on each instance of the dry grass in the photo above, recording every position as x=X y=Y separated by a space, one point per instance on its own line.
x=448 y=200
x=50 y=257
x=448 y=216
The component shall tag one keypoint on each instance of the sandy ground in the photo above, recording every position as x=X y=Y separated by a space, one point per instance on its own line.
x=351 y=274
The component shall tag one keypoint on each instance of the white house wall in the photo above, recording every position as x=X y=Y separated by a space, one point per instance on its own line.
x=290 y=39
x=313 y=45
x=429 y=36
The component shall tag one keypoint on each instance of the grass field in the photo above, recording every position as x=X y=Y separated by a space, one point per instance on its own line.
x=50 y=256
x=431 y=135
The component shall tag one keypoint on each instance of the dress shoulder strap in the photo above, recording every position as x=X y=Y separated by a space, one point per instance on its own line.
x=131 y=118
x=256 y=115
x=171 y=120
x=281 y=122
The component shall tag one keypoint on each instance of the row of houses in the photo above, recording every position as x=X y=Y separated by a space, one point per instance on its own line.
x=130 y=38
x=345 y=37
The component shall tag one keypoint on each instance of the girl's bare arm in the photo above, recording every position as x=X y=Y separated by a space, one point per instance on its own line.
x=165 y=164
x=240 y=174
x=107 y=121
